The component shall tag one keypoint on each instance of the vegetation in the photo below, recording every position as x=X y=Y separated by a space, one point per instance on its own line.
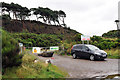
x=10 y=51
x=104 y=43
x=35 y=33
x=40 y=40
x=113 y=53
x=112 y=34
x=23 y=66
x=36 y=27
x=31 y=69
x=101 y=42
x=46 y=40
x=22 y=13
x=110 y=45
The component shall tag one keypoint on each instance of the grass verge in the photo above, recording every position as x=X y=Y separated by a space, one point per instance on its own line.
x=31 y=69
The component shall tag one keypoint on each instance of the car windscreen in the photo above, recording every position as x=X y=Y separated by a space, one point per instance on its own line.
x=93 y=48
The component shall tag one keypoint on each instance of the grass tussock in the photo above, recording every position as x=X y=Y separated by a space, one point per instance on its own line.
x=31 y=69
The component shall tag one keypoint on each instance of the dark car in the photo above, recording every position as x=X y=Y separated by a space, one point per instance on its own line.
x=88 y=51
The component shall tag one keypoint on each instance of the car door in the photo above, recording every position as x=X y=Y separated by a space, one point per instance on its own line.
x=78 y=50
x=86 y=52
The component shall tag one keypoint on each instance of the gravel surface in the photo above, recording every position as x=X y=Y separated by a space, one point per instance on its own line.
x=83 y=68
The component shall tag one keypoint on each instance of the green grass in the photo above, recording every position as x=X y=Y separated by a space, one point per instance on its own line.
x=113 y=53
x=0 y=76
x=10 y=73
x=30 y=69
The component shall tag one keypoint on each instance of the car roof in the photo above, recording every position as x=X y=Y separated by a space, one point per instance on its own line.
x=81 y=44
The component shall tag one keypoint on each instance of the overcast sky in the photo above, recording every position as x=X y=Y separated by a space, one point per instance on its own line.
x=89 y=17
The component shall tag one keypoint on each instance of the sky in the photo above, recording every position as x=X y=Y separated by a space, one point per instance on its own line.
x=89 y=17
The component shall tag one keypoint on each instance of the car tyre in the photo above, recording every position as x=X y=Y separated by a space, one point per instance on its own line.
x=92 y=57
x=74 y=56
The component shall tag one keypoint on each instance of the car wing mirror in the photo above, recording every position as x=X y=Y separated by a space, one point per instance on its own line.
x=87 y=49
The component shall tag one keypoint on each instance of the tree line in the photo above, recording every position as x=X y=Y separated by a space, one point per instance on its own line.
x=47 y=15
x=112 y=34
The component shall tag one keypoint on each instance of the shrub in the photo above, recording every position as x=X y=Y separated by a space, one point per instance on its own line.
x=112 y=34
x=5 y=17
x=10 y=49
x=96 y=38
x=77 y=37
x=41 y=40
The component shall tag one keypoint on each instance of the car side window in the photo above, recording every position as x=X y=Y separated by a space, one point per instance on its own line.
x=75 y=47
x=78 y=47
x=86 y=48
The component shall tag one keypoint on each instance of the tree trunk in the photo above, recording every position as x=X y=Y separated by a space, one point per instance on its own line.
x=63 y=21
x=37 y=17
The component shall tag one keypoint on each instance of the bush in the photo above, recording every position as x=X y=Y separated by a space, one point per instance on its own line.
x=104 y=43
x=40 y=40
x=5 y=17
x=112 y=34
x=77 y=37
x=10 y=49
x=96 y=38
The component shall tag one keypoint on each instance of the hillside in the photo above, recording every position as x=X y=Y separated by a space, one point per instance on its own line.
x=112 y=34
x=36 y=27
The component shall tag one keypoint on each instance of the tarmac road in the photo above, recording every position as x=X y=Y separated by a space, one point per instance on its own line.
x=83 y=68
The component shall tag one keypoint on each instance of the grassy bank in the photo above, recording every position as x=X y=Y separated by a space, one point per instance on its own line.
x=31 y=69
x=113 y=53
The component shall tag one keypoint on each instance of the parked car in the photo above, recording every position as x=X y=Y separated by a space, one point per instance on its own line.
x=88 y=51
x=47 y=54
x=42 y=51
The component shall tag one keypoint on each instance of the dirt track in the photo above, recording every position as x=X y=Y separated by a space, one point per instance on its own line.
x=82 y=68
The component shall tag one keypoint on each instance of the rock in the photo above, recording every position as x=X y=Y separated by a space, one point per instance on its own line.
x=48 y=61
x=36 y=60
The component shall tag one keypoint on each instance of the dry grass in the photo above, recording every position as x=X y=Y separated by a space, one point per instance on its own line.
x=113 y=53
x=113 y=39
x=31 y=69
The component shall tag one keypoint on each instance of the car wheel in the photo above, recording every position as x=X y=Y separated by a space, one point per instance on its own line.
x=74 y=56
x=92 y=57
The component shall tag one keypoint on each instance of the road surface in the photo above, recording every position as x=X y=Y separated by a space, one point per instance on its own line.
x=82 y=68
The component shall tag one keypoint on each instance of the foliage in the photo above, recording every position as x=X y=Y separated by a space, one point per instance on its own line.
x=112 y=34
x=113 y=53
x=96 y=38
x=103 y=43
x=39 y=40
x=10 y=51
x=46 y=40
x=77 y=37
x=5 y=17
x=31 y=69
x=46 y=14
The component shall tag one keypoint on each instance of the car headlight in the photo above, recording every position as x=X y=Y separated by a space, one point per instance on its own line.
x=97 y=53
